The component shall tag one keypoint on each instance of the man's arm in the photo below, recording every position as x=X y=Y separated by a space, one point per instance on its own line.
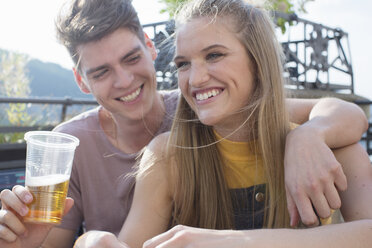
x=341 y=123
x=312 y=174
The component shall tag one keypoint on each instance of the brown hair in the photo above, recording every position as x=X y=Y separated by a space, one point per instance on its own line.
x=82 y=21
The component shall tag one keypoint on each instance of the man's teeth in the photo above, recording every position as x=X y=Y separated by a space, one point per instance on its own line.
x=206 y=95
x=131 y=97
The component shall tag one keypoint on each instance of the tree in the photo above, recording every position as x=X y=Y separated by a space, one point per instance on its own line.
x=14 y=82
x=286 y=6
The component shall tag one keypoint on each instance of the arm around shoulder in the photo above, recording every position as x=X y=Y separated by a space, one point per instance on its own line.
x=312 y=173
x=339 y=122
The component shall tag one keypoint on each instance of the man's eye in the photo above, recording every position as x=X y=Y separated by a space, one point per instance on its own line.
x=213 y=56
x=100 y=74
x=133 y=59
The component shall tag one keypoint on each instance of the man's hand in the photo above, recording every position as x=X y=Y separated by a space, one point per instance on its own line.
x=312 y=177
x=99 y=239
x=14 y=233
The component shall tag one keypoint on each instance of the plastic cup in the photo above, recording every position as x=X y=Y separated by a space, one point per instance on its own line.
x=48 y=168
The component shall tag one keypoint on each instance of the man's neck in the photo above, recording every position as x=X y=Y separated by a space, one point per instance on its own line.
x=130 y=136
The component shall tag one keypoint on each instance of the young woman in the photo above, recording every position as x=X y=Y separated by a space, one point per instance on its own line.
x=221 y=166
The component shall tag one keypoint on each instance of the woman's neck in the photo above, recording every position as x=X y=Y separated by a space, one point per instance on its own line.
x=237 y=128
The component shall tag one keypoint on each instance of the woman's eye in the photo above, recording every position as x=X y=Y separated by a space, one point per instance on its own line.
x=181 y=65
x=213 y=56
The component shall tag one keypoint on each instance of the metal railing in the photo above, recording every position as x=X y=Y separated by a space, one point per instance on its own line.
x=318 y=57
x=13 y=155
x=63 y=102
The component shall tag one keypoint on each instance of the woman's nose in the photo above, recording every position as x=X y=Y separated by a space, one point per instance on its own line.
x=198 y=75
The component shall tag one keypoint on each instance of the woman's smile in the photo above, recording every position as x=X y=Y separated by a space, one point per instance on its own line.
x=202 y=95
x=215 y=73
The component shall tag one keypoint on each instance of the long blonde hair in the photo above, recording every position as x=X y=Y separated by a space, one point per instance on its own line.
x=201 y=196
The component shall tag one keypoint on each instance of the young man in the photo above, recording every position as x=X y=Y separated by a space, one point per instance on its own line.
x=114 y=62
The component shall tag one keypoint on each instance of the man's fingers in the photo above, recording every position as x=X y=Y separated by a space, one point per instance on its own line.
x=292 y=209
x=321 y=205
x=68 y=205
x=306 y=211
x=10 y=200
x=23 y=194
x=340 y=180
x=6 y=234
x=9 y=220
x=333 y=198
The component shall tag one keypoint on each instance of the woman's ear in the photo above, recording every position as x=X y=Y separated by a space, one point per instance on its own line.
x=79 y=80
x=150 y=46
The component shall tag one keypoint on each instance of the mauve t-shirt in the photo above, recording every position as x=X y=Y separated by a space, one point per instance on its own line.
x=98 y=185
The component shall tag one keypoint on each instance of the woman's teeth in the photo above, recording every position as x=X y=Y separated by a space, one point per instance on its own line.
x=206 y=95
x=131 y=97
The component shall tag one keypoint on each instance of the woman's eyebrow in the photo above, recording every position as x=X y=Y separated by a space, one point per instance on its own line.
x=206 y=49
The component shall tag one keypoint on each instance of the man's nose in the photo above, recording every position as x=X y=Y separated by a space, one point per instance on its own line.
x=124 y=78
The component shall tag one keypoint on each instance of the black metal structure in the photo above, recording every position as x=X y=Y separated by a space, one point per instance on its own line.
x=320 y=58
x=317 y=58
x=162 y=35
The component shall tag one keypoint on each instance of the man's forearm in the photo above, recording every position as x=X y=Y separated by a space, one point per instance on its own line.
x=340 y=123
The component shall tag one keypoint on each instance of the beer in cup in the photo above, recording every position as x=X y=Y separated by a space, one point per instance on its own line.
x=48 y=168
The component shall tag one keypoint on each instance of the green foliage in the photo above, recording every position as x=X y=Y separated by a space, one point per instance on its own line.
x=301 y=5
x=13 y=75
x=289 y=7
x=171 y=6
x=14 y=82
x=286 y=6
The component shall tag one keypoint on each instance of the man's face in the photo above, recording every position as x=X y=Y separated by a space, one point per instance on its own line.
x=118 y=70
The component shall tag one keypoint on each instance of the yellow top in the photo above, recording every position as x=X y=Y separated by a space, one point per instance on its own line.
x=242 y=167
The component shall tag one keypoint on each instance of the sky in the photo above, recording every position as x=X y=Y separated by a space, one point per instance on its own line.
x=27 y=26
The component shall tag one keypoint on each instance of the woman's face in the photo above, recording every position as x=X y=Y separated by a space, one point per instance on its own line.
x=214 y=72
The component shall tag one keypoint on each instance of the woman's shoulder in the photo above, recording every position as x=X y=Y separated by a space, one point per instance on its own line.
x=155 y=154
x=159 y=143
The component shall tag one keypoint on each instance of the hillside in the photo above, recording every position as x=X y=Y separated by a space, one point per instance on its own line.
x=51 y=80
